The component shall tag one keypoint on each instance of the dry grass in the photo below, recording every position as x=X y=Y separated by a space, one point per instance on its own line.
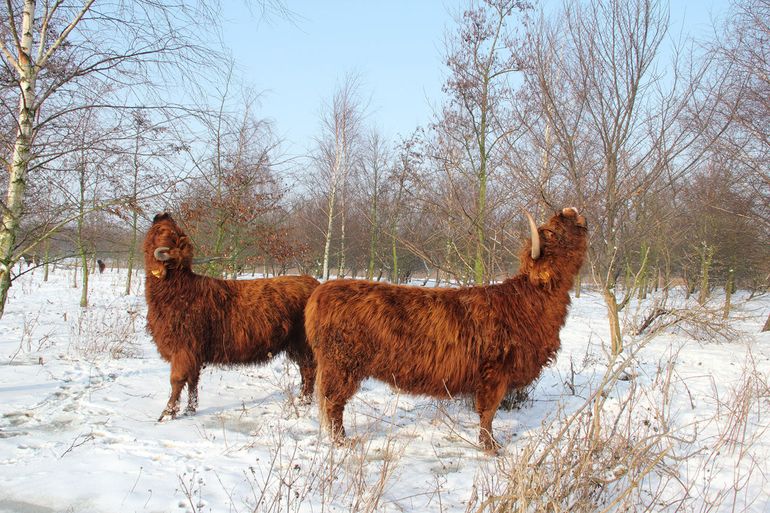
x=622 y=451
x=30 y=326
x=105 y=332
x=704 y=323
x=353 y=477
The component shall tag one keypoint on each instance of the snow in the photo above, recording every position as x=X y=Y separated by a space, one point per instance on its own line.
x=81 y=389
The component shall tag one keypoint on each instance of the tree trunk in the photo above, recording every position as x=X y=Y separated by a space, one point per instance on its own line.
x=216 y=266
x=84 y=277
x=642 y=280
x=478 y=264
x=616 y=336
x=394 y=253
x=706 y=258
x=82 y=246
x=728 y=293
x=373 y=234
x=47 y=259
x=17 y=179
x=341 y=262
x=131 y=250
x=766 y=327
x=134 y=212
x=328 y=238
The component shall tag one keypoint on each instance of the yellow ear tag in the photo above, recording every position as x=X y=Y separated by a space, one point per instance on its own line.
x=157 y=273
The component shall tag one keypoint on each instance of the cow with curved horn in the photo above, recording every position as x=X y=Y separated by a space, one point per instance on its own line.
x=196 y=320
x=479 y=341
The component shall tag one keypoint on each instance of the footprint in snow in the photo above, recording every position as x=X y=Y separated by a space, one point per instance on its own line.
x=10 y=434
x=17 y=418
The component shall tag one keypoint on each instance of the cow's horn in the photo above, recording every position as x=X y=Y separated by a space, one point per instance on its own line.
x=161 y=254
x=535 y=236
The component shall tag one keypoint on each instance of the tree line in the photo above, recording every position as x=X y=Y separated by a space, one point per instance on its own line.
x=662 y=143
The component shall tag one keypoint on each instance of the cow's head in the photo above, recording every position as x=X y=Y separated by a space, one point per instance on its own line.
x=166 y=247
x=555 y=250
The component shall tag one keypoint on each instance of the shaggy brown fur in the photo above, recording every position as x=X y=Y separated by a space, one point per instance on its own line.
x=197 y=320
x=446 y=342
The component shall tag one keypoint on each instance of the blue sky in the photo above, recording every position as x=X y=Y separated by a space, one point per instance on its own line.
x=396 y=47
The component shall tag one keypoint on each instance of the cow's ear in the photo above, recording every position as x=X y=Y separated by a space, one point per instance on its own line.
x=161 y=217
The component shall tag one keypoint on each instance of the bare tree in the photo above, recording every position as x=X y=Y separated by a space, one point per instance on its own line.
x=375 y=165
x=397 y=186
x=51 y=48
x=341 y=128
x=232 y=186
x=594 y=67
x=80 y=180
x=88 y=164
x=742 y=54
x=149 y=149
x=480 y=56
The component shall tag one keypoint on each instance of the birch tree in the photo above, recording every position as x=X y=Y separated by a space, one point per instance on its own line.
x=341 y=123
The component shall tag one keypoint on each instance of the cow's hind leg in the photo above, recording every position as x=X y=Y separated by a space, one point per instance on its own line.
x=336 y=387
x=192 y=391
x=307 y=372
x=305 y=360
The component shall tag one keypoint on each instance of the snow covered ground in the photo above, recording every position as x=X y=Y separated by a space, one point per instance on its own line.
x=81 y=389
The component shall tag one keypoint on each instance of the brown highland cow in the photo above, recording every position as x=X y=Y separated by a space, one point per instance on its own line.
x=197 y=320
x=447 y=342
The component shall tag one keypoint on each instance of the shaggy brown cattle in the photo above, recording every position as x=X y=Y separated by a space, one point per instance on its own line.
x=197 y=320
x=447 y=342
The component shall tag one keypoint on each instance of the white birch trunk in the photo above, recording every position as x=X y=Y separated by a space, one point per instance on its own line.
x=329 y=225
x=339 y=163
x=17 y=180
x=341 y=267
